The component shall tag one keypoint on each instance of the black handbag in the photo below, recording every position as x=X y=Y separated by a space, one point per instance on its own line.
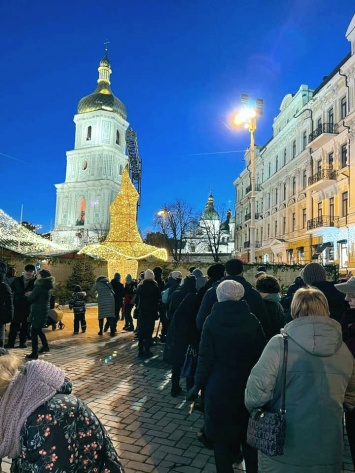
x=190 y=363
x=267 y=430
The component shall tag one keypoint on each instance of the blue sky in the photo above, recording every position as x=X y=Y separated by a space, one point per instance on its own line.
x=179 y=66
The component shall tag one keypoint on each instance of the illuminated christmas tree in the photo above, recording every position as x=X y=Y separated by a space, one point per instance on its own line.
x=123 y=246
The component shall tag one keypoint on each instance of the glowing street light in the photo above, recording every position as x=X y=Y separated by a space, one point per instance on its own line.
x=247 y=117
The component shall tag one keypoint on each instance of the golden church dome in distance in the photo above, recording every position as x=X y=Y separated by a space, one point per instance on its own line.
x=102 y=98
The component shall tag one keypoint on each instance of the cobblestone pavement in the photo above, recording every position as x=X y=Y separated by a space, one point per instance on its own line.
x=152 y=431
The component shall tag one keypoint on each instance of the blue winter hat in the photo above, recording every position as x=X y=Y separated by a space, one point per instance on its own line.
x=128 y=278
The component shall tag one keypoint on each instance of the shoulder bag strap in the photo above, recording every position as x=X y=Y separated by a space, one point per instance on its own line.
x=283 y=377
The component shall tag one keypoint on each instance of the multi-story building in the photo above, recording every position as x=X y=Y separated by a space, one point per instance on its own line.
x=304 y=203
x=94 y=167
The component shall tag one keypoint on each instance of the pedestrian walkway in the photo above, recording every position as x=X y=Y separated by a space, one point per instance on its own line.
x=152 y=431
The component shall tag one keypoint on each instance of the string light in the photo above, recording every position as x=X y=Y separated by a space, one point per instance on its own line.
x=15 y=237
x=123 y=246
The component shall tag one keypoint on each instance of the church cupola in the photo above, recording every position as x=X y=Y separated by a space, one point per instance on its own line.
x=102 y=98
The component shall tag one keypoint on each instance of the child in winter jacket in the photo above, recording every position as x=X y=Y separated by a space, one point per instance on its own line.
x=78 y=304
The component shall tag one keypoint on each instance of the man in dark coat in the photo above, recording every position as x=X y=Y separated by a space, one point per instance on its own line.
x=232 y=341
x=6 y=304
x=148 y=295
x=234 y=272
x=19 y=286
x=40 y=299
x=313 y=274
x=118 y=288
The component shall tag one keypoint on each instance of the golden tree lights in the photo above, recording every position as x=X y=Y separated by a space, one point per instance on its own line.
x=123 y=246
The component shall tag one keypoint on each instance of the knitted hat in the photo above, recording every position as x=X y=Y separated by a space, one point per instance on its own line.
x=45 y=273
x=189 y=282
x=128 y=278
x=3 y=267
x=77 y=288
x=176 y=275
x=200 y=279
x=30 y=267
x=229 y=291
x=149 y=274
x=234 y=267
x=347 y=287
x=313 y=272
x=268 y=284
x=216 y=271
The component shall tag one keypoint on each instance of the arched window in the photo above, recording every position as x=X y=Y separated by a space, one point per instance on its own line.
x=88 y=133
x=117 y=137
x=81 y=219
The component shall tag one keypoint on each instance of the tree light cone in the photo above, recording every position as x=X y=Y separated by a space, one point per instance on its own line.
x=123 y=245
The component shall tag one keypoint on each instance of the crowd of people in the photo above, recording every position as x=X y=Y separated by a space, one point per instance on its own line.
x=225 y=337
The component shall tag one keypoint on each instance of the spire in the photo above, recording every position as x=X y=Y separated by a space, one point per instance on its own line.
x=104 y=67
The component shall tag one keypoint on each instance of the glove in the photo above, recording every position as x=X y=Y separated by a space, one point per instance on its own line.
x=192 y=394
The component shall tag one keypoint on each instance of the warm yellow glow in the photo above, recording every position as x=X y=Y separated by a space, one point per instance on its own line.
x=244 y=116
x=123 y=242
x=163 y=213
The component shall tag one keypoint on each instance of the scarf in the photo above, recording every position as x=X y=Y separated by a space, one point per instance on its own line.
x=28 y=390
x=272 y=297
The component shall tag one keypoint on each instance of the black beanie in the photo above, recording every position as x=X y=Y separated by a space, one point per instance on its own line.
x=77 y=288
x=234 y=267
x=45 y=273
x=216 y=271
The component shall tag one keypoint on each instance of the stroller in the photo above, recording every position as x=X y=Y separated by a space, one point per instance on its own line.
x=55 y=317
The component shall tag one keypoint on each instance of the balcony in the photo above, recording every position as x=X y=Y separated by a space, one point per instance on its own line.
x=322 y=221
x=322 y=178
x=248 y=216
x=322 y=135
x=248 y=189
x=247 y=244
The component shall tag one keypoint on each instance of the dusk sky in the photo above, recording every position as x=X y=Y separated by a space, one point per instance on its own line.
x=179 y=66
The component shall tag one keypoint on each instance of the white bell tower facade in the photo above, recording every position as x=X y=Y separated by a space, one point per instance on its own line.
x=94 y=167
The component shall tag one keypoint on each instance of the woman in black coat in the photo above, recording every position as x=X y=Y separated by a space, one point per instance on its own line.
x=148 y=295
x=182 y=332
x=232 y=341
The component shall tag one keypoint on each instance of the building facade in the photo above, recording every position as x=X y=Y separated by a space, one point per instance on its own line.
x=94 y=167
x=304 y=205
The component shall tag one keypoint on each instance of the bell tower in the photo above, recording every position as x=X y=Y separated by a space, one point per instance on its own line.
x=94 y=167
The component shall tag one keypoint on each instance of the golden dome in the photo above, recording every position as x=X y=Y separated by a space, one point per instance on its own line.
x=102 y=98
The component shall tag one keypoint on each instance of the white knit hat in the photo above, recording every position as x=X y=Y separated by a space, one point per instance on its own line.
x=230 y=291
x=176 y=275
x=149 y=274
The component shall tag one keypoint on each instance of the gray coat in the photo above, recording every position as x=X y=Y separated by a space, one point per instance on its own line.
x=320 y=379
x=106 y=297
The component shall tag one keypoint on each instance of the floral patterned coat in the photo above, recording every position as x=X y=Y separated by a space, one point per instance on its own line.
x=63 y=435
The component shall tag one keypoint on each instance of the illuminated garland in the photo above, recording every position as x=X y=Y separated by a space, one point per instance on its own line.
x=17 y=238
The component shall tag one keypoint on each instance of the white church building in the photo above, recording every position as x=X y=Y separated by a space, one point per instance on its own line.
x=94 y=167
x=213 y=237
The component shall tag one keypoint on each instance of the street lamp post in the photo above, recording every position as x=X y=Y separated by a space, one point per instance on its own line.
x=247 y=116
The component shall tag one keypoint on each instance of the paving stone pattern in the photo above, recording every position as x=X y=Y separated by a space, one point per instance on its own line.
x=152 y=431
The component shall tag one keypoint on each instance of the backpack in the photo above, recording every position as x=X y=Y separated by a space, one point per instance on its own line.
x=165 y=296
